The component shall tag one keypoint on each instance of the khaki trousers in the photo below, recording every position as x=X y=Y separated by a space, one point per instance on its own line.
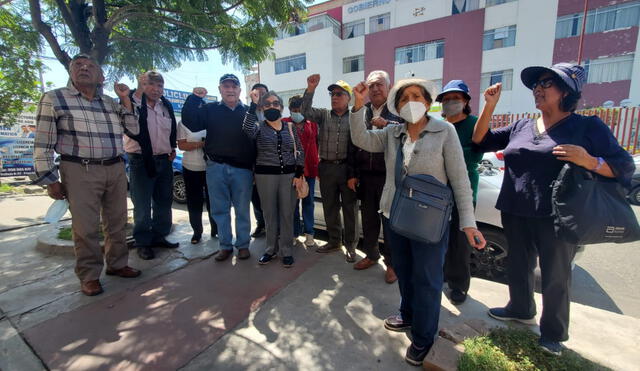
x=92 y=190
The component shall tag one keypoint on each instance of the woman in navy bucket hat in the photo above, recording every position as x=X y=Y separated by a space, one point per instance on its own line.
x=535 y=150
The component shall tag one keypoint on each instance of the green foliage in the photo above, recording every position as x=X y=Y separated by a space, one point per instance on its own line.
x=18 y=69
x=130 y=36
x=514 y=349
x=6 y=188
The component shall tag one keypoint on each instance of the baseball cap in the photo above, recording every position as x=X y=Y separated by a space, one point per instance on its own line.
x=572 y=75
x=342 y=85
x=230 y=77
x=454 y=86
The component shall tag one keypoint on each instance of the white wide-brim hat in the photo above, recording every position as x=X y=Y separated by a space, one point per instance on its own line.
x=427 y=84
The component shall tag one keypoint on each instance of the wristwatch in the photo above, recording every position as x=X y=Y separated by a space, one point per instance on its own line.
x=600 y=163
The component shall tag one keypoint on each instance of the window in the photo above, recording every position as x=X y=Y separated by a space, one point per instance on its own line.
x=379 y=23
x=353 y=29
x=420 y=52
x=313 y=24
x=292 y=63
x=461 y=6
x=497 y=2
x=489 y=78
x=353 y=64
x=499 y=38
x=599 y=20
x=609 y=69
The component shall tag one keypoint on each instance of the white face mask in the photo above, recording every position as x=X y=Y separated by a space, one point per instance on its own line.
x=413 y=111
x=452 y=107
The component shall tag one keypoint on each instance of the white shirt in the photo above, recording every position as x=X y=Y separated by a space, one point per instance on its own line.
x=159 y=127
x=377 y=111
x=407 y=151
x=192 y=160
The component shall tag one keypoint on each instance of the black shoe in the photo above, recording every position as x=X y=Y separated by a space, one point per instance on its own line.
x=146 y=253
x=287 y=261
x=457 y=297
x=551 y=347
x=258 y=232
x=265 y=259
x=416 y=355
x=503 y=314
x=164 y=243
x=214 y=232
x=196 y=238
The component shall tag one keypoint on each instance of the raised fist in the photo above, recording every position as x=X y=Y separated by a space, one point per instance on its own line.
x=200 y=92
x=313 y=81
x=122 y=90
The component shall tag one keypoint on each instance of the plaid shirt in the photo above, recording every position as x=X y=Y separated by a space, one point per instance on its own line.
x=72 y=125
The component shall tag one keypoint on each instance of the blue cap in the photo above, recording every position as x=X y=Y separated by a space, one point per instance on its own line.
x=230 y=77
x=454 y=86
x=573 y=75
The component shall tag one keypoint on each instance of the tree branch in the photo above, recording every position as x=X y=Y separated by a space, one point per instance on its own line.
x=45 y=30
x=100 y=35
x=5 y=2
x=118 y=16
x=169 y=20
x=167 y=44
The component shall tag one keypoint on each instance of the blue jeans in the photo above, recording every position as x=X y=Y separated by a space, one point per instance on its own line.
x=419 y=267
x=307 y=211
x=230 y=187
x=152 y=198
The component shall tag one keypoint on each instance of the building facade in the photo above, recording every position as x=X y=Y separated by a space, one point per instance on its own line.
x=479 y=41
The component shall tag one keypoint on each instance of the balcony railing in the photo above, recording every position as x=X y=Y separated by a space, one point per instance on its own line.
x=314 y=23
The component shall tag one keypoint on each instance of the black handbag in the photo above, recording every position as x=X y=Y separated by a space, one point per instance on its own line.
x=421 y=207
x=589 y=208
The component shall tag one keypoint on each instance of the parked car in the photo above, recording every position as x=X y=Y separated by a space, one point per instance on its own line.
x=634 y=192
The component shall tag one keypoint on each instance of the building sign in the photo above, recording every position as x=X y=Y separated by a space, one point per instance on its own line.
x=16 y=146
x=367 y=5
x=177 y=98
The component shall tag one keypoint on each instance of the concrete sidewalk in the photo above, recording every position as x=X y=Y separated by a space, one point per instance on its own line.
x=189 y=312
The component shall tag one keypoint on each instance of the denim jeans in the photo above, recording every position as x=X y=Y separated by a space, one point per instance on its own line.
x=419 y=267
x=230 y=187
x=152 y=198
x=307 y=212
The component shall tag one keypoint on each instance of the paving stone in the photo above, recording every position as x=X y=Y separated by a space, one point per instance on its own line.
x=481 y=326
x=443 y=356
x=458 y=333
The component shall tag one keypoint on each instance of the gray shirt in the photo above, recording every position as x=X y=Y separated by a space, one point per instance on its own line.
x=437 y=153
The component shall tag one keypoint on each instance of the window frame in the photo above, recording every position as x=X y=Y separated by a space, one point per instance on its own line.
x=278 y=62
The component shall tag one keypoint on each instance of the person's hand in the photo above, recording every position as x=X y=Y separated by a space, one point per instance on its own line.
x=56 y=191
x=475 y=238
x=142 y=81
x=297 y=182
x=312 y=82
x=255 y=96
x=122 y=91
x=352 y=184
x=200 y=92
x=359 y=93
x=172 y=155
x=575 y=154
x=379 y=122
x=492 y=94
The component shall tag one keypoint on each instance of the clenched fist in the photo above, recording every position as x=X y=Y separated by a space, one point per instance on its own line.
x=200 y=92
x=312 y=82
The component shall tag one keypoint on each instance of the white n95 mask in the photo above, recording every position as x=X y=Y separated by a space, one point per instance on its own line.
x=412 y=112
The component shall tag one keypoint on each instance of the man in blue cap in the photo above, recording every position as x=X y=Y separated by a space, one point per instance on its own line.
x=456 y=110
x=230 y=159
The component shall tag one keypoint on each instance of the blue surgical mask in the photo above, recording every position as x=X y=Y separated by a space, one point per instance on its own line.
x=297 y=117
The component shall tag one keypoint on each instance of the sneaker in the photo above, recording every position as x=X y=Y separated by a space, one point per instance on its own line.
x=416 y=355
x=551 y=347
x=266 y=258
x=457 y=297
x=350 y=256
x=395 y=323
x=503 y=314
x=287 y=261
x=259 y=232
x=308 y=240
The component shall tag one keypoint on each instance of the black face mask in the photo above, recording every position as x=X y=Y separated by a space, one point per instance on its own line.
x=272 y=114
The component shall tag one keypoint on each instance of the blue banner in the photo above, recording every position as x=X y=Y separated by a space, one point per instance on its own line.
x=177 y=98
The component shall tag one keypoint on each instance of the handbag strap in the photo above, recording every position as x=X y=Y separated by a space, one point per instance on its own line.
x=399 y=164
x=295 y=148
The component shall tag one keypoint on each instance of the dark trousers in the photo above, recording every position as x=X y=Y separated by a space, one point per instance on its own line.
x=336 y=195
x=152 y=198
x=257 y=207
x=197 y=194
x=457 y=272
x=531 y=238
x=370 y=192
x=419 y=267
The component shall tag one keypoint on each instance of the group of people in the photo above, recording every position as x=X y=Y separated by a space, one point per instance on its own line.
x=236 y=154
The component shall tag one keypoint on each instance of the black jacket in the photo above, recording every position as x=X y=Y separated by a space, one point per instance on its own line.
x=373 y=163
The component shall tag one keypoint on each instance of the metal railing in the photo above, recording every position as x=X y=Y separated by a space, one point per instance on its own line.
x=623 y=123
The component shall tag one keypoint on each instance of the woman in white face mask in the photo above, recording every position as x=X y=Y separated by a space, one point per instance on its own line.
x=429 y=146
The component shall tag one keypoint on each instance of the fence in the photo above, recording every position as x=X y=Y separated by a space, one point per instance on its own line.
x=623 y=123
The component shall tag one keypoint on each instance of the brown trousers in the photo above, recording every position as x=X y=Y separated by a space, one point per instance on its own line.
x=92 y=190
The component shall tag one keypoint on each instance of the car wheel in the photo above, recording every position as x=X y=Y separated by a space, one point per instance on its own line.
x=179 y=189
x=491 y=262
x=634 y=196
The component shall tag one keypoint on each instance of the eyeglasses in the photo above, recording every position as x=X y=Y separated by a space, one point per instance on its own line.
x=336 y=93
x=544 y=83
x=275 y=104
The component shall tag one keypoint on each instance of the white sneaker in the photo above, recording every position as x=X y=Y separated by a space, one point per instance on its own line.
x=309 y=241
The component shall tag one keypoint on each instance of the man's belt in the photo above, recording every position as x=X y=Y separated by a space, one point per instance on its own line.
x=89 y=161
x=335 y=162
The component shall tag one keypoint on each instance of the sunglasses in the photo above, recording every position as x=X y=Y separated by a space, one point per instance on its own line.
x=337 y=93
x=275 y=104
x=544 y=83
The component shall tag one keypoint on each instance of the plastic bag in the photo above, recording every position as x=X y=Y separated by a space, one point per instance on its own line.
x=56 y=211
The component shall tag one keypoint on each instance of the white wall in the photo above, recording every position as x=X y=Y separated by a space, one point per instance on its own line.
x=404 y=11
x=634 y=90
x=430 y=69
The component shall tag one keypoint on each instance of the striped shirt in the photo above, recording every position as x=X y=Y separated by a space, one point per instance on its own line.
x=72 y=125
x=275 y=147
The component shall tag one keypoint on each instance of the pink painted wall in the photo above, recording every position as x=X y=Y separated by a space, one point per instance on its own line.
x=462 y=34
x=336 y=13
x=596 y=45
x=577 y=6
x=593 y=95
